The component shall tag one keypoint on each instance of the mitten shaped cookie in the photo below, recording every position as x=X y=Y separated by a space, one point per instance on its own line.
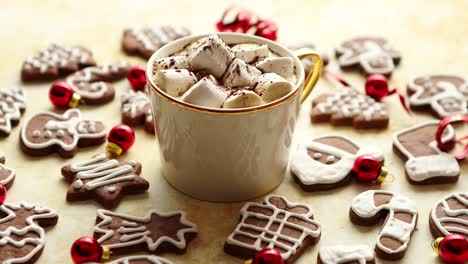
x=327 y=162
x=48 y=132
x=425 y=162
x=373 y=55
x=12 y=107
x=136 y=110
x=450 y=216
x=443 y=95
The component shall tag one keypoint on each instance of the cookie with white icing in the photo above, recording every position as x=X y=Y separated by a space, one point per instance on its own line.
x=136 y=110
x=287 y=227
x=327 y=162
x=12 y=107
x=48 y=132
x=144 y=41
x=104 y=180
x=7 y=175
x=372 y=55
x=22 y=235
x=400 y=214
x=55 y=61
x=94 y=85
x=155 y=232
x=450 y=216
x=346 y=254
x=444 y=95
x=348 y=107
x=141 y=259
x=425 y=162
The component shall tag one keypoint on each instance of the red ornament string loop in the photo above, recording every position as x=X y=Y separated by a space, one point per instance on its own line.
x=450 y=144
x=377 y=87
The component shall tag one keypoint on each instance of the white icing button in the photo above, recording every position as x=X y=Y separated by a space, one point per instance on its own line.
x=330 y=159
x=111 y=188
x=78 y=184
x=91 y=129
x=36 y=133
x=317 y=155
x=60 y=133
x=47 y=134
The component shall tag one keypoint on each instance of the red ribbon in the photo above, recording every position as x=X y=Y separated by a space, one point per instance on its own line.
x=450 y=144
x=402 y=99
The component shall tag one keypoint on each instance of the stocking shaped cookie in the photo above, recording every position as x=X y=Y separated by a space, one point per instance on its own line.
x=136 y=110
x=7 y=175
x=141 y=259
x=327 y=162
x=156 y=232
x=444 y=95
x=277 y=223
x=349 y=107
x=22 y=237
x=49 y=132
x=12 y=106
x=145 y=41
x=373 y=55
x=400 y=215
x=450 y=216
x=93 y=85
x=341 y=254
x=103 y=179
x=425 y=162
x=55 y=61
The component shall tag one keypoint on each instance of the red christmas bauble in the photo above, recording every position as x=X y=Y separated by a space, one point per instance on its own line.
x=3 y=193
x=268 y=256
x=62 y=95
x=267 y=29
x=454 y=249
x=367 y=168
x=377 y=86
x=86 y=249
x=123 y=136
x=137 y=78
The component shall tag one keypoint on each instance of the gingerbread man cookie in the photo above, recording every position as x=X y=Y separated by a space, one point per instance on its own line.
x=277 y=223
x=93 y=85
x=49 y=132
x=12 y=107
x=106 y=180
x=373 y=55
x=349 y=107
x=425 y=162
x=22 y=235
x=7 y=175
x=444 y=95
x=400 y=222
x=327 y=162
x=141 y=259
x=136 y=110
x=341 y=254
x=145 y=41
x=156 y=232
x=450 y=216
x=55 y=61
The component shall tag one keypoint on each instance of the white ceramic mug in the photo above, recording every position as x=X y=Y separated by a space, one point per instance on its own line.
x=227 y=155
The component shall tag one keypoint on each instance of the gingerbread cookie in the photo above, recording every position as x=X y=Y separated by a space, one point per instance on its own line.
x=141 y=259
x=327 y=162
x=373 y=55
x=22 y=235
x=444 y=95
x=55 y=61
x=49 y=132
x=277 y=223
x=349 y=107
x=307 y=63
x=450 y=216
x=7 y=175
x=145 y=41
x=369 y=207
x=12 y=107
x=103 y=179
x=343 y=254
x=93 y=83
x=425 y=162
x=156 y=232
x=136 y=110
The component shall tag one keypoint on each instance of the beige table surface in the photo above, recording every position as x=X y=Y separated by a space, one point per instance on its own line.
x=432 y=36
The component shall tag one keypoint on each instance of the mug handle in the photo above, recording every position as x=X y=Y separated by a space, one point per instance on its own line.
x=314 y=74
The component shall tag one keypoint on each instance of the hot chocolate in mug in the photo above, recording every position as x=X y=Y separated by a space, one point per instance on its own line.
x=228 y=155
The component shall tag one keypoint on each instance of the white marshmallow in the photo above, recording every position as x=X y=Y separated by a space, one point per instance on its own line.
x=240 y=74
x=283 y=66
x=212 y=56
x=191 y=47
x=270 y=86
x=242 y=99
x=174 y=62
x=205 y=93
x=175 y=82
x=250 y=52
